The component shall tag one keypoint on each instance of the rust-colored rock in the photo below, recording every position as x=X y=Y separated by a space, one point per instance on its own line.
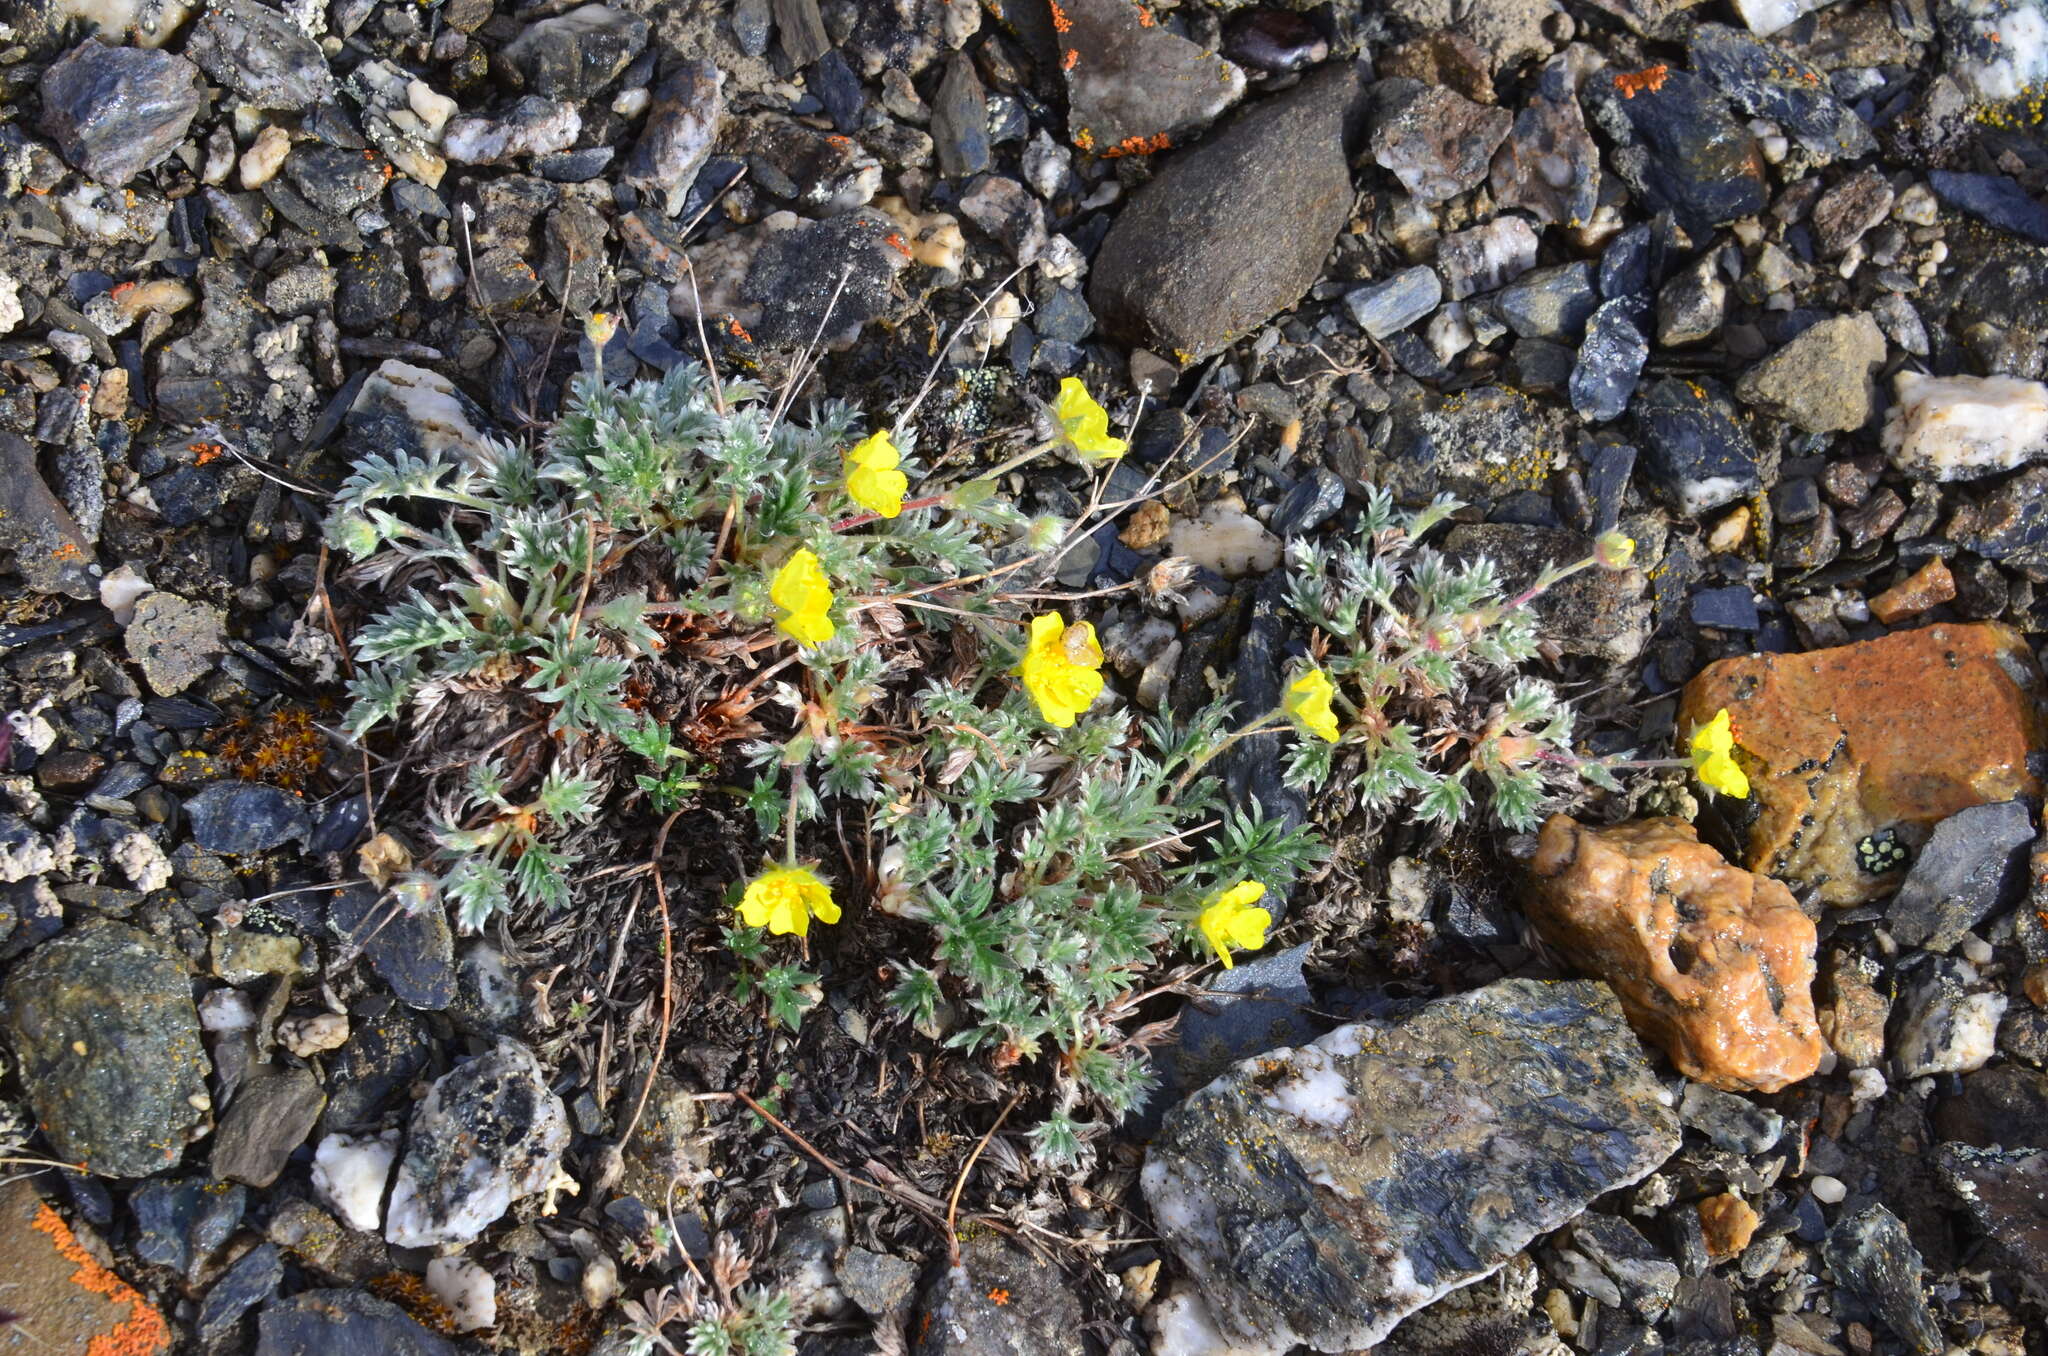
x=1729 y=1223
x=1887 y=737
x=1927 y=587
x=1711 y=963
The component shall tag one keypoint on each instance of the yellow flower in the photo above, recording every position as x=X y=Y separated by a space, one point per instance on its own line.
x=1060 y=668
x=785 y=899
x=1232 y=918
x=1307 y=704
x=599 y=328
x=1614 y=549
x=1084 y=424
x=1713 y=745
x=805 y=596
x=872 y=480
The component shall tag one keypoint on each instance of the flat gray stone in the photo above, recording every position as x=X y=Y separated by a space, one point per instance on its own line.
x=1322 y=1194
x=1234 y=230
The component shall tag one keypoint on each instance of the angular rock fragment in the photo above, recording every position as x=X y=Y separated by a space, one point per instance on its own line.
x=1962 y=427
x=1821 y=381
x=1870 y=1255
x=1437 y=142
x=1232 y=230
x=1849 y=750
x=1323 y=1193
x=1694 y=448
x=1000 y=1301
x=1767 y=81
x=1550 y=165
x=488 y=1133
x=102 y=1022
x=117 y=111
x=1974 y=866
x=681 y=128
x=1133 y=86
x=50 y=551
x=1712 y=964
x=1946 y=1022
x=1679 y=146
x=2006 y=1190
x=575 y=55
x=260 y=54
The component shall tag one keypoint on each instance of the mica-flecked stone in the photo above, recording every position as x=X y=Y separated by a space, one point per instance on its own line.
x=1323 y=1193
x=1712 y=964
x=1679 y=145
x=101 y=1021
x=1896 y=733
x=1233 y=230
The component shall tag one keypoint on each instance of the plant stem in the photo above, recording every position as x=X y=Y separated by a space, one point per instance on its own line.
x=863 y=519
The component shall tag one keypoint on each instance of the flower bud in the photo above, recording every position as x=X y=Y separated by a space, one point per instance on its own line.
x=1614 y=550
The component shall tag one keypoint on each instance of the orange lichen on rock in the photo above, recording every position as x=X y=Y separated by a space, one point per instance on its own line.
x=143 y=1332
x=1632 y=83
x=1712 y=964
x=1158 y=141
x=1884 y=737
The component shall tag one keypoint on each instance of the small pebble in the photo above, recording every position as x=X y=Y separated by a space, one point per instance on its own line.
x=1828 y=1190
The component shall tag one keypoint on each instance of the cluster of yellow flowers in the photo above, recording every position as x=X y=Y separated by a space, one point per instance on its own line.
x=1713 y=760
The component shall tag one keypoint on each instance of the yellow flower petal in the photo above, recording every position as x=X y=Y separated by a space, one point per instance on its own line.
x=1307 y=704
x=1713 y=762
x=1230 y=919
x=801 y=590
x=1084 y=424
x=1060 y=668
x=784 y=901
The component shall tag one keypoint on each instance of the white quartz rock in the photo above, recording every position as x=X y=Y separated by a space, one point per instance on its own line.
x=349 y=1173
x=1225 y=539
x=470 y=1292
x=430 y=401
x=1997 y=49
x=1959 y=428
x=141 y=861
x=1765 y=17
x=1181 y=1325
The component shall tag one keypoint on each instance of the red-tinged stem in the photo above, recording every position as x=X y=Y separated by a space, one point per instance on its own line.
x=863 y=519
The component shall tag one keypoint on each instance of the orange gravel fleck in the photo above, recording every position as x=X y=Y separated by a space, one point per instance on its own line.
x=1071 y=59
x=1145 y=19
x=1060 y=22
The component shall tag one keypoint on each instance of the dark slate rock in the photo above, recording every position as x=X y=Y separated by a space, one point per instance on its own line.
x=683 y=123
x=2000 y=1107
x=1386 y=308
x=1869 y=1255
x=1767 y=81
x=1233 y=230
x=412 y=952
x=371 y=287
x=960 y=121
x=186 y=495
x=1626 y=265
x=165 y=1211
x=260 y=54
x=795 y=277
x=50 y=550
x=1001 y=1301
x=1313 y=501
x=1733 y=1123
x=117 y=111
x=1493 y=1116
x=1973 y=867
x=100 y=1020
x=245 y=817
x=1549 y=303
x=388 y=1049
x=1610 y=361
x=1732 y=608
x=1996 y=199
x=334 y=179
x=1694 y=449
x=344 y=1323
x=2007 y=522
x=574 y=167
x=270 y=1116
x=1251 y=768
x=1642 y=1276
x=575 y=55
x=1136 y=86
x=2007 y=1193
x=252 y=1279
x=1679 y=146
x=1261 y=1003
